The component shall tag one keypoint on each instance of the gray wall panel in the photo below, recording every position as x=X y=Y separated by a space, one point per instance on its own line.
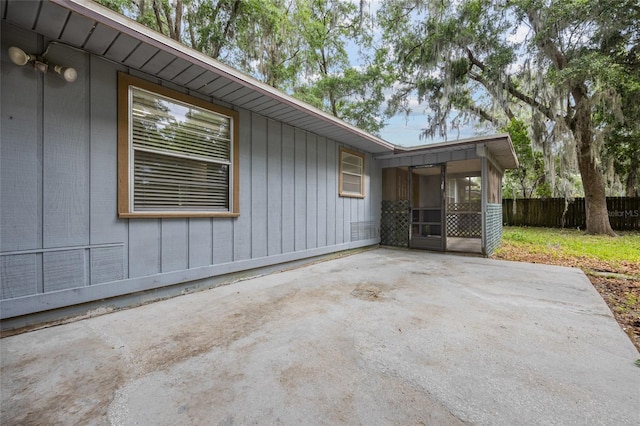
x=288 y=189
x=331 y=190
x=144 y=247
x=322 y=192
x=274 y=187
x=242 y=225
x=312 y=191
x=346 y=219
x=356 y=208
x=64 y=269
x=18 y=275
x=106 y=264
x=66 y=153
x=174 y=245
x=105 y=227
x=259 y=218
x=300 y=220
x=339 y=227
x=223 y=237
x=20 y=146
x=200 y=242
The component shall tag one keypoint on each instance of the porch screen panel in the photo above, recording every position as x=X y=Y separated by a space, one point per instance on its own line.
x=182 y=155
x=464 y=206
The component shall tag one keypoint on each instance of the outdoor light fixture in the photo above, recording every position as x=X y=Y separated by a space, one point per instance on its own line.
x=21 y=58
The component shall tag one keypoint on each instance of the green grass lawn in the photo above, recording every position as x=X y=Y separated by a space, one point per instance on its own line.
x=623 y=250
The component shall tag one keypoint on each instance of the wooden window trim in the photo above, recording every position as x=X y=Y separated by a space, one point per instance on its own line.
x=341 y=193
x=124 y=208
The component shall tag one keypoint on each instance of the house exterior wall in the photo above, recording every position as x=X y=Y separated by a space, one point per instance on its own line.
x=61 y=241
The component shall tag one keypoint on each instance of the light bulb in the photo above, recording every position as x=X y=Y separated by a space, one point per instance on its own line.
x=18 y=56
x=69 y=74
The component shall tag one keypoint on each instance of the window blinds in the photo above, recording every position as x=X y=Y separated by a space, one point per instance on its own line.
x=181 y=155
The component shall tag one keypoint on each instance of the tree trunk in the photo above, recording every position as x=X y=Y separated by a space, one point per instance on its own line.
x=633 y=176
x=594 y=195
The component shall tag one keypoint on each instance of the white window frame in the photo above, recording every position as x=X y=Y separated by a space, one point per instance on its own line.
x=126 y=206
x=345 y=153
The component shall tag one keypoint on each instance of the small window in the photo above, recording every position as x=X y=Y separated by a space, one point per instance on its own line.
x=177 y=154
x=351 y=174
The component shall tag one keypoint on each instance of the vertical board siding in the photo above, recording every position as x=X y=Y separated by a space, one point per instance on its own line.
x=20 y=147
x=331 y=190
x=259 y=219
x=322 y=192
x=200 y=242
x=300 y=220
x=351 y=215
x=288 y=189
x=340 y=208
x=66 y=153
x=144 y=247
x=312 y=191
x=223 y=238
x=242 y=225
x=105 y=227
x=174 y=244
x=274 y=187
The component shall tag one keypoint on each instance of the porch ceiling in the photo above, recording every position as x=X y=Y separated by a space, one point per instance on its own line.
x=91 y=27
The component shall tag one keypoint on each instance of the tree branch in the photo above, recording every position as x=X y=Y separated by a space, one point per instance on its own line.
x=484 y=115
x=491 y=89
x=509 y=87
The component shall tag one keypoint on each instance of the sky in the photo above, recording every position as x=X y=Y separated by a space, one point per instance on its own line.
x=406 y=130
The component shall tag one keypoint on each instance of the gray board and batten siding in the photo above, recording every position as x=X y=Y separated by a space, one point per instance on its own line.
x=62 y=242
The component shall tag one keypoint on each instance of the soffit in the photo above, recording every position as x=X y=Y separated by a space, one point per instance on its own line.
x=91 y=27
x=499 y=146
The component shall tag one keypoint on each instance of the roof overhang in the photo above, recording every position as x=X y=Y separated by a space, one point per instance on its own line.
x=96 y=29
x=499 y=146
x=91 y=27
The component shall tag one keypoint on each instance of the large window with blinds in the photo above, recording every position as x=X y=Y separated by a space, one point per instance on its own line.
x=177 y=155
x=351 y=179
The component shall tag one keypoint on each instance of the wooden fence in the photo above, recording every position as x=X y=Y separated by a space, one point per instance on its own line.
x=624 y=213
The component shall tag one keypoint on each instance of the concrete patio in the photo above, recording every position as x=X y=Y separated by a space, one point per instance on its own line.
x=380 y=337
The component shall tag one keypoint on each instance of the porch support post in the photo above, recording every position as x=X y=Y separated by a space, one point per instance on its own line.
x=484 y=184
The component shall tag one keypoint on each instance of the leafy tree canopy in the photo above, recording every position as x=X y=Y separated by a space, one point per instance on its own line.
x=550 y=60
